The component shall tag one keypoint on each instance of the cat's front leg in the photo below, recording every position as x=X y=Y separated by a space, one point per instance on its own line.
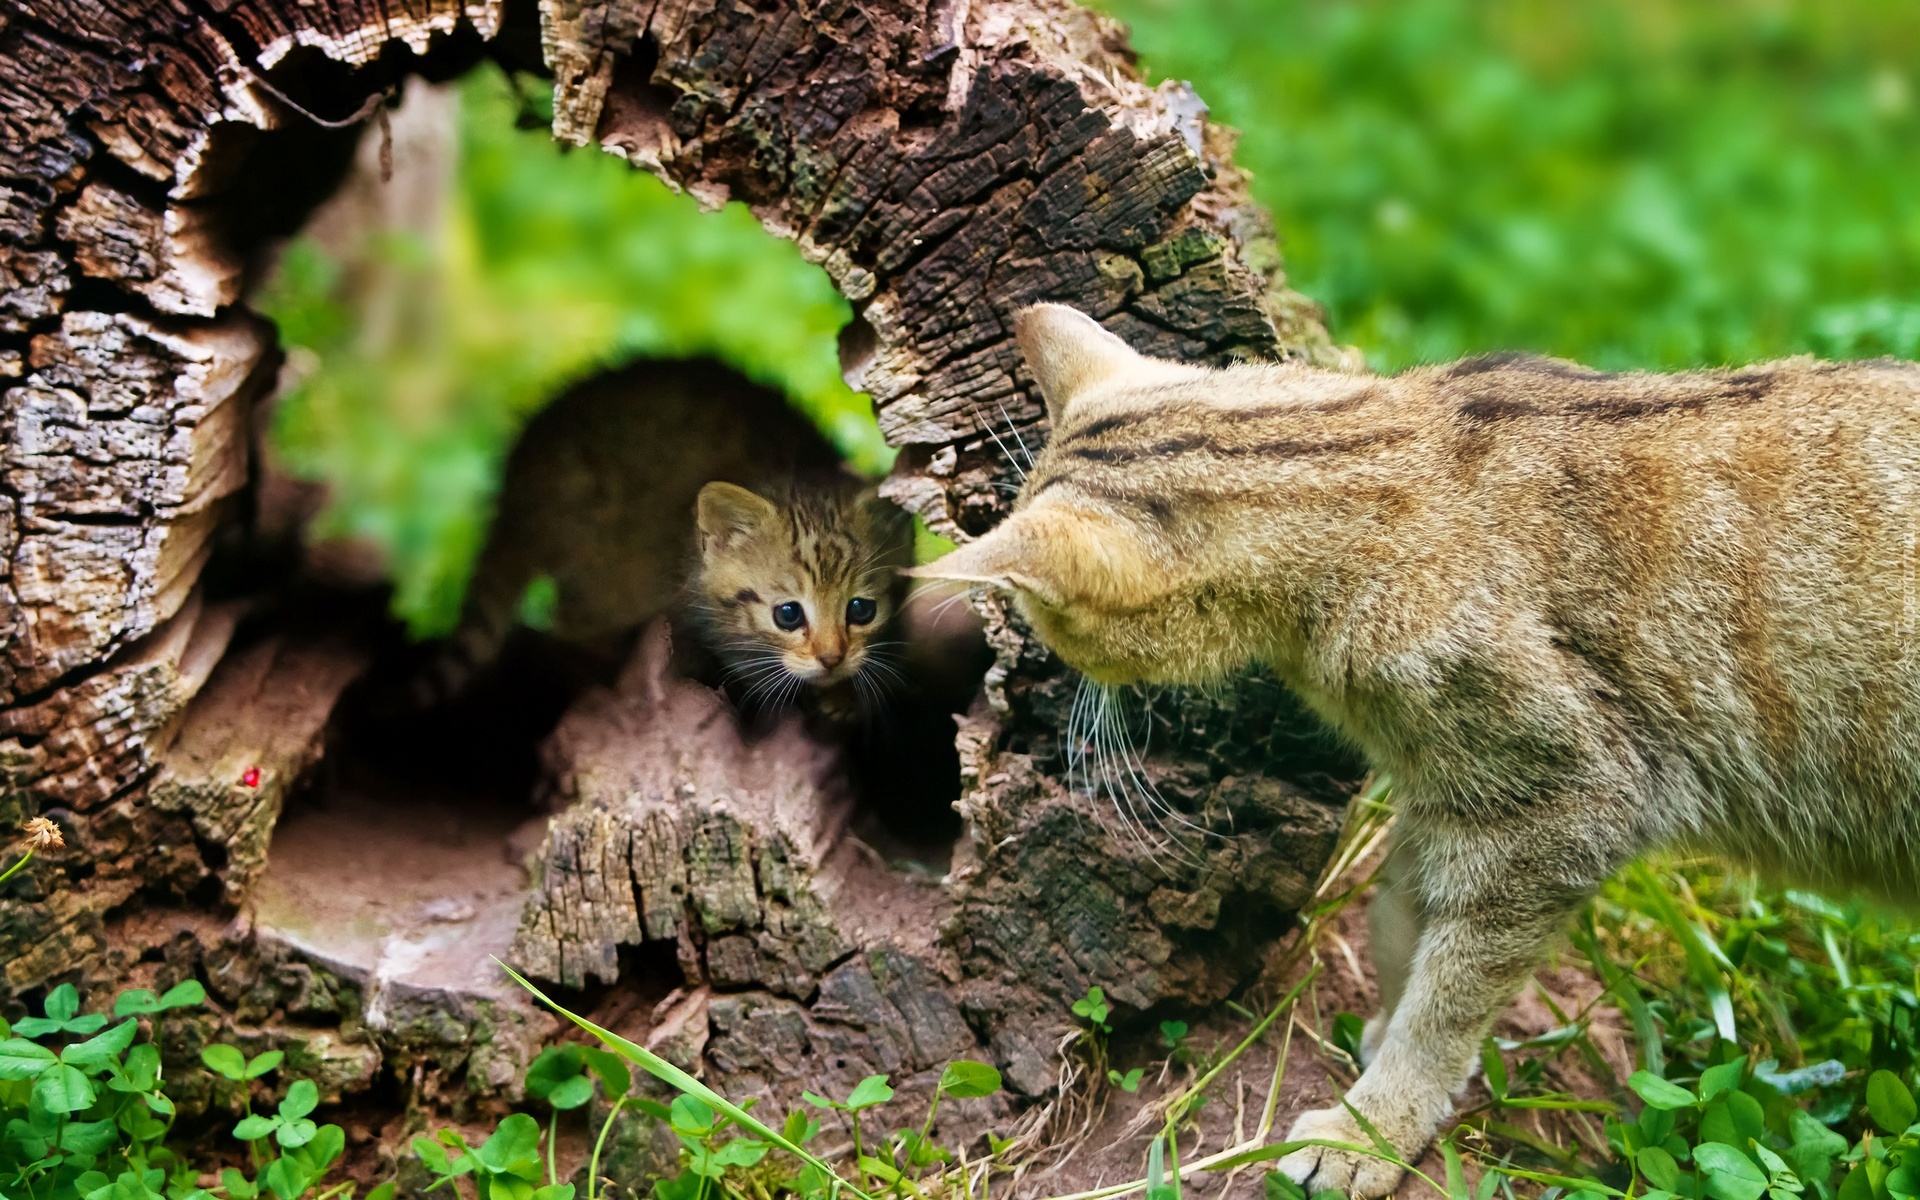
x=1490 y=905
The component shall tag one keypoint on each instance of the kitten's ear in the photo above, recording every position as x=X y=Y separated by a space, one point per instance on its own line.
x=1068 y=352
x=1065 y=557
x=726 y=513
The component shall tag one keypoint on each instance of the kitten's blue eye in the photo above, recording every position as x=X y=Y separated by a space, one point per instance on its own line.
x=789 y=616
x=860 y=610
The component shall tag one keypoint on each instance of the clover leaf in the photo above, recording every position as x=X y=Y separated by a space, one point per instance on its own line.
x=62 y=1008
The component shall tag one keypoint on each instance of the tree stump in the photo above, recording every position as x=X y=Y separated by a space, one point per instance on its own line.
x=946 y=165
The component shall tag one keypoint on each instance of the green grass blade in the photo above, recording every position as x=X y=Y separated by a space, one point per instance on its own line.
x=1705 y=959
x=674 y=1077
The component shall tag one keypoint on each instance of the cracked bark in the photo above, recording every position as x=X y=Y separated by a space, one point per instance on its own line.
x=945 y=168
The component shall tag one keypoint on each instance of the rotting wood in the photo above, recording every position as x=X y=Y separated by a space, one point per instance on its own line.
x=248 y=737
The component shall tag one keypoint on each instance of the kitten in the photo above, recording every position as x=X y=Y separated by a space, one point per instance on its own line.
x=599 y=499
x=1576 y=616
x=795 y=588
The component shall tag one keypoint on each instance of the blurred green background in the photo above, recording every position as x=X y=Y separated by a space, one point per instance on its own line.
x=1625 y=182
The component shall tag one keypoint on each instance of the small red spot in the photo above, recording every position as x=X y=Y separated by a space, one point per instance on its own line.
x=250 y=777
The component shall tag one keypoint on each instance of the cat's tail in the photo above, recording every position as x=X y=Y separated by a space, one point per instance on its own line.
x=451 y=665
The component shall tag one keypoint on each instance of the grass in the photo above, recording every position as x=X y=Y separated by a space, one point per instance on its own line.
x=1630 y=183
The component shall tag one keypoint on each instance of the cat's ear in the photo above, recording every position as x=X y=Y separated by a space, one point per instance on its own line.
x=1068 y=352
x=1065 y=557
x=727 y=513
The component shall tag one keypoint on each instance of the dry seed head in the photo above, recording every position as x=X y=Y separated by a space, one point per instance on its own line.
x=43 y=834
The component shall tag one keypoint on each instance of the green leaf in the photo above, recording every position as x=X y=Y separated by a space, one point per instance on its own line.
x=238 y=1186
x=302 y=1098
x=141 y=1069
x=62 y=1089
x=506 y=1187
x=260 y=1064
x=741 y=1152
x=552 y=1067
x=1130 y=1082
x=285 y=1178
x=323 y=1148
x=572 y=1093
x=653 y=1108
x=96 y=1052
x=683 y=1187
x=255 y=1126
x=89 y=1137
x=1808 y=1131
x=62 y=1003
x=515 y=1140
x=965 y=1080
x=225 y=1060
x=1858 y=1185
x=1456 y=1174
x=1173 y=1033
x=1731 y=1175
x=1658 y=1092
x=1659 y=1168
x=135 y=1000
x=552 y=1191
x=799 y=1127
x=691 y=1116
x=1723 y=1078
x=433 y=1156
x=1495 y=1069
x=819 y=1101
x=1279 y=1187
x=1889 y=1102
x=295 y=1132
x=21 y=1059
x=868 y=1092
x=184 y=995
x=385 y=1191
x=615 y=1079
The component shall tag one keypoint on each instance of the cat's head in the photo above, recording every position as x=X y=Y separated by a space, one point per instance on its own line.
x=798 y=589
x=1098 y=557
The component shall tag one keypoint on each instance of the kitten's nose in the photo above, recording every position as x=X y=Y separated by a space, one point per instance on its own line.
x=829 y=659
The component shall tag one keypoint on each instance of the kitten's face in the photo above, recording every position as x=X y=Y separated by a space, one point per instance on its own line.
x=799 y=592
x=1104 y=576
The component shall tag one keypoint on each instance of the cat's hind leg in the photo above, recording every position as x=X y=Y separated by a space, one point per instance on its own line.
x=1493 y=895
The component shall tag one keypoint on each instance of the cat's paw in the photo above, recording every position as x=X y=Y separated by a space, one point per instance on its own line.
x=1319 y=1168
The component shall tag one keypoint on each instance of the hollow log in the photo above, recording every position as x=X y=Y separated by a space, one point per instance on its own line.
x=945 y=164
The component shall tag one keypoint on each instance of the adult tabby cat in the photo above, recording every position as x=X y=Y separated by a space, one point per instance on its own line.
x=1576 y=615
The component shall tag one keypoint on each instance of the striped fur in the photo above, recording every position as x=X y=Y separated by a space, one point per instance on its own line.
x=820 y=543
x=1576 y=615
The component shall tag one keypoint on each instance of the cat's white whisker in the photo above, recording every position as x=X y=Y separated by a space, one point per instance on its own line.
x=995 y=435
x=1015 y=431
